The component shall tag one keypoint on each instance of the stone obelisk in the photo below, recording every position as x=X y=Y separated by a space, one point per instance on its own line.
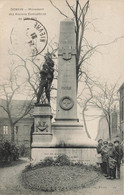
x=66 y=89
x=67 y=128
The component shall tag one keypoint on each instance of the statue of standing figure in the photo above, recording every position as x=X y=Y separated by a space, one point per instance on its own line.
x=46 y=78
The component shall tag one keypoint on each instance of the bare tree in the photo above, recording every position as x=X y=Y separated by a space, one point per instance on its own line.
x=105 y=98
x=29 y=70
x=78 y=14
x=32 y=66
x=85 y=96
x=84 y=50
x=9 y=90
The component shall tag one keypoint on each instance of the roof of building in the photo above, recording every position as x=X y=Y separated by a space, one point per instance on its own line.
x=121 y=87
x=17 y=108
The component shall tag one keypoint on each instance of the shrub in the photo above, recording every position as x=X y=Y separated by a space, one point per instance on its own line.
x=1 y=151
x=37 y=165
x=27 y=168
x=48 y=161
x=8 y=152
x=62 y=159
x=22 y=150
x=14 y=152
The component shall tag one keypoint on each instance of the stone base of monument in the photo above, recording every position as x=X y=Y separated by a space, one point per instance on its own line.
x=42 y=134
x=71 y=141
x=82 y=155
x=63 y=137
x=70 y=133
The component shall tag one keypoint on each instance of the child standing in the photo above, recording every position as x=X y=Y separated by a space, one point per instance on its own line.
x=118 y=157
x=99 y=157
x=104 y=153
x=111 y=161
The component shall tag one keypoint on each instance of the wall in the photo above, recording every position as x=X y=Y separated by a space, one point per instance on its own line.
x=22 y=134
x=121 y=90
x=84 y=155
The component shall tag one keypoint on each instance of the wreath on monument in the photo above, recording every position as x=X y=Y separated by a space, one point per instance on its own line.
x=66 y=103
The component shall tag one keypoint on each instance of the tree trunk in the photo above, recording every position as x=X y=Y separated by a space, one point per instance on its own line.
x=12 y=133
x=76 y=79
x=85 y=125
x=109 y=125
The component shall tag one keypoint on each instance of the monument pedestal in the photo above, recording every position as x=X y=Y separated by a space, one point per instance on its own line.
x=82 y=155
x=42 y=134
x=71 y=134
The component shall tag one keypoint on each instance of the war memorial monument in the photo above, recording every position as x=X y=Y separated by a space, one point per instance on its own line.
x=65 y=135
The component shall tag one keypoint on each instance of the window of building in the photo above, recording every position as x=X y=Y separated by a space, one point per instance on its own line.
x=5 y=129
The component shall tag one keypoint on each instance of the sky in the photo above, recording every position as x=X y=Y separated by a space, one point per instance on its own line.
x=106 y=24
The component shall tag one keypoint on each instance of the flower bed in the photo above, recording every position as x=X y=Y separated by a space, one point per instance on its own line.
x=59 y=178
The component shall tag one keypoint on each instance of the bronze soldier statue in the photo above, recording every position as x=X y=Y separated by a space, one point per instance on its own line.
x=46 y=78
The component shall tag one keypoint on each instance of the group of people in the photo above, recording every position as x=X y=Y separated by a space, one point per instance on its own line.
x=110 y=156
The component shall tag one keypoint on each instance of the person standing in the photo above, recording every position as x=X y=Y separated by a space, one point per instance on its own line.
x=111 y=165
x=104 y=153
x=118 y=156
x=99 y=157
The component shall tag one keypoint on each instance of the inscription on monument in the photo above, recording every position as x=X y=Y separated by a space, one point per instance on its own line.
x=66 y=88
x=75 y=155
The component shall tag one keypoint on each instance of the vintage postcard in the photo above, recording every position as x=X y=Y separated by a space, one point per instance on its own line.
x=61 y=97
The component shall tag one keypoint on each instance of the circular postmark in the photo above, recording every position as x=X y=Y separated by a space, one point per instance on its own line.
x=29 y=37
x=66 y=103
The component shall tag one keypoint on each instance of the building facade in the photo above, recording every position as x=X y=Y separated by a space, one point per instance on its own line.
x=22 y=129
x=117 y=121
x=121 y=92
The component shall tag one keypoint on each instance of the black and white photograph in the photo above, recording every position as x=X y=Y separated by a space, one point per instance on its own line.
x=61 y=97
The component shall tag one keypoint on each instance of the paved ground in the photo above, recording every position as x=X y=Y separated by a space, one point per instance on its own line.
x=10 y=184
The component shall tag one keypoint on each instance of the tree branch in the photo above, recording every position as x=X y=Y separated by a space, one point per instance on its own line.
x=58 y=9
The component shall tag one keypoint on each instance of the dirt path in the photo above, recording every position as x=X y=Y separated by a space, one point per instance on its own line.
x=105 y=187
x=10 y=184
x=9 y=178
